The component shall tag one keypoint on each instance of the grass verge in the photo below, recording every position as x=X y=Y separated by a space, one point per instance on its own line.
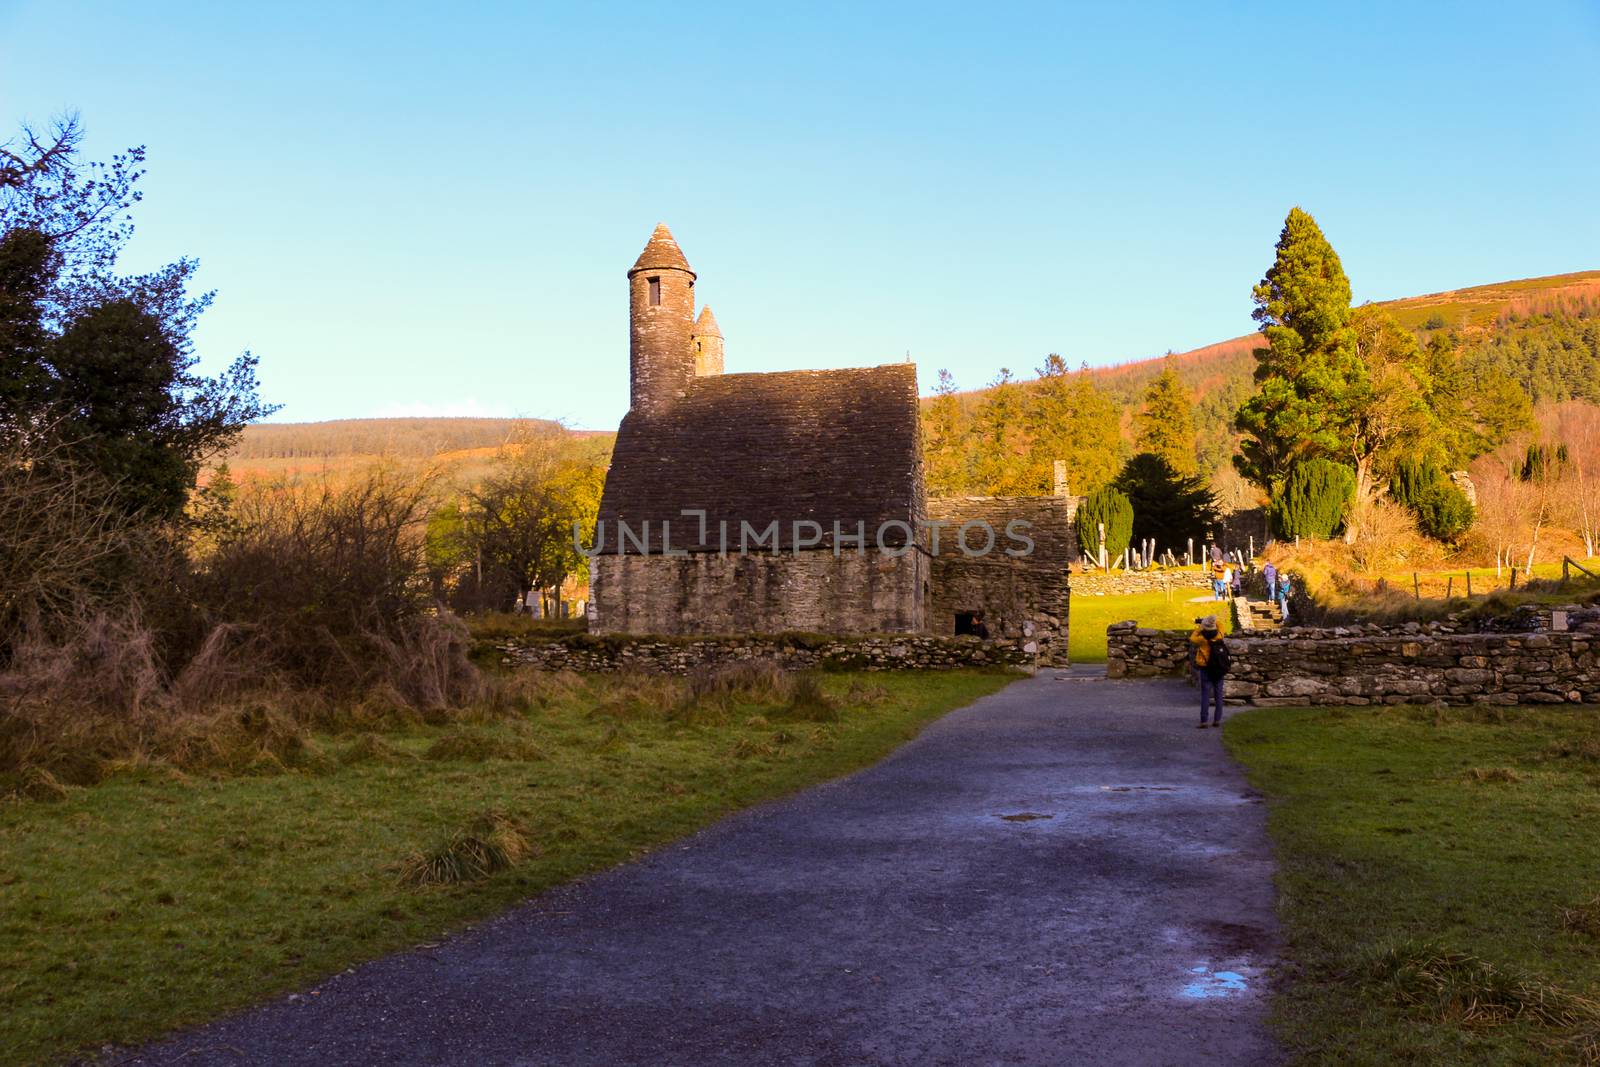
x=1436 y=881
x=156 y=899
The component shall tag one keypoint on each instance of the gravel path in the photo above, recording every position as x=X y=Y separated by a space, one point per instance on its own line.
x=1066 y=872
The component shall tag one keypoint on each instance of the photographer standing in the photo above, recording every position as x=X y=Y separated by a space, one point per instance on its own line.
x=1210 y=656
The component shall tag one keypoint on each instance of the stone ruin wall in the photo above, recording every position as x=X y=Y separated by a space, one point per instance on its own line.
x=1559 y=664
x=814 y=591
x=1024 y=599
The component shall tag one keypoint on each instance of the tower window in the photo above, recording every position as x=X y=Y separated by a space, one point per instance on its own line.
x=655 y=292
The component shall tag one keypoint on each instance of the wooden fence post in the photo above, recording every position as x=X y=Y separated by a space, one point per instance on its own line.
x=1449 y=585
x=1416 y=586
x=1469 y=583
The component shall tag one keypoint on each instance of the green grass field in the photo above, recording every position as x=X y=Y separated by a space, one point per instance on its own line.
x=1090 y=615
x=155 y=900
x=1437 y=881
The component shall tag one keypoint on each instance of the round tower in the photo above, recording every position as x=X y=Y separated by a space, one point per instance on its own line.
x=661 y=319
x=707 y=344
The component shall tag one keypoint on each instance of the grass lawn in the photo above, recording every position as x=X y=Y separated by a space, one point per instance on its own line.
x=1090 y=615
x=155 y=900
x=1437 y=881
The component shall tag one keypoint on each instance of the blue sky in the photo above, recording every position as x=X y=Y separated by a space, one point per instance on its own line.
x=412 y=209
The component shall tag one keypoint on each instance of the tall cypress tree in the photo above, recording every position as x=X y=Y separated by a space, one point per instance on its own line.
x=1303 y=306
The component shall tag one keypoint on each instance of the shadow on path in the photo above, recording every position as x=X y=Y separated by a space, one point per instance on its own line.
x=1066 y=872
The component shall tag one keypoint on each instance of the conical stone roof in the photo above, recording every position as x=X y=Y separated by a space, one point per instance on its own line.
x=661 y=253
x=706 y=324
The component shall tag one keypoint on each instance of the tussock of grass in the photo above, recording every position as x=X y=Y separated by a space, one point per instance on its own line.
x=1586 y=749
x=809 y=701
x=750 y=748
x=1583 y=919
x=36 y=783
x=370 y=748
x=754 y=681
x=480 y=746
x=1493 y=775
x=1451 y=986
x=491 y=843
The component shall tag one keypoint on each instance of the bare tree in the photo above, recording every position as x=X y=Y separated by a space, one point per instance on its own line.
x=1577 y=425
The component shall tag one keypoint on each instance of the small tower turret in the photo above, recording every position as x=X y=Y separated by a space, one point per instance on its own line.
x=707 y=344
x=661 y=319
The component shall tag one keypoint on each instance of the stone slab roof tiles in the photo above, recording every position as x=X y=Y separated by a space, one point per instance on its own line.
x=822 y=445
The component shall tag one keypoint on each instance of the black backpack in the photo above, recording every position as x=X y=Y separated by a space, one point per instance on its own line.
x=1219 y=661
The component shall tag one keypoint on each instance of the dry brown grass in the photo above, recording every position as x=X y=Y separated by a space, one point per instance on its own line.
x=1461 y=988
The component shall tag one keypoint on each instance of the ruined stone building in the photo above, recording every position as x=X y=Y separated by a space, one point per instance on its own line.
x=763 y=503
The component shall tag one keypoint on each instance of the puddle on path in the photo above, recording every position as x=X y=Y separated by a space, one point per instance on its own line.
x=1206 y=984
x=1025 y=816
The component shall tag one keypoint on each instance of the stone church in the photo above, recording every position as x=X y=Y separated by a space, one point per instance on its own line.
x=763 y=503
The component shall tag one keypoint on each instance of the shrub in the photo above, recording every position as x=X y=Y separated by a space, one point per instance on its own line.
x=1314 y=500
x=1443 y=512
x=1441 y=509
x=325 y=587
x=1111 y=507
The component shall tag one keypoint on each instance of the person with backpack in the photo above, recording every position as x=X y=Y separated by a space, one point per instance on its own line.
x=1270 y=573
x=1283 y=598
x=1211 y=660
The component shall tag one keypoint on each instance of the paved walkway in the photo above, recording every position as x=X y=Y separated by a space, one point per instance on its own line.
x=1066 y=872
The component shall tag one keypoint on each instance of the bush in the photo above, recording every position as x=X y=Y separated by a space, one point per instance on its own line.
x=1441 y=509
x=1111 y=507
x=1314 y=500
x=1443 y=512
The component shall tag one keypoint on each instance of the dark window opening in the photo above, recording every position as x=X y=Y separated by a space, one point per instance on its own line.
x=655 y=292
x=966 y=623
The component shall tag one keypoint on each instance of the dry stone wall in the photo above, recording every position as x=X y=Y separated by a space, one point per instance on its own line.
x=1125 y=582
x=592 y=654
x=1553 y=666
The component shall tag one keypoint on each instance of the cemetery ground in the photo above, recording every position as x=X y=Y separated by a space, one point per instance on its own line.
x=158 y=899
x=1086 y=640
x=1435 y=881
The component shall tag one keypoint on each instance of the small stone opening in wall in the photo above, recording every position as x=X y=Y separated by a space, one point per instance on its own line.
x=655 y=292
x=970 y=624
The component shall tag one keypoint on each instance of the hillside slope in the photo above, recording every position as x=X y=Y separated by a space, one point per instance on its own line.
x=287 y=450
x=1472 y=311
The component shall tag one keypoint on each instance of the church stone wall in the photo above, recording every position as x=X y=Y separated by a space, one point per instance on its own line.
x=707 y=593
x=1023 y=598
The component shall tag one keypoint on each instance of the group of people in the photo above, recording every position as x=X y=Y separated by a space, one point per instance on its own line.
x=1228 y=580
x=1225 y=581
